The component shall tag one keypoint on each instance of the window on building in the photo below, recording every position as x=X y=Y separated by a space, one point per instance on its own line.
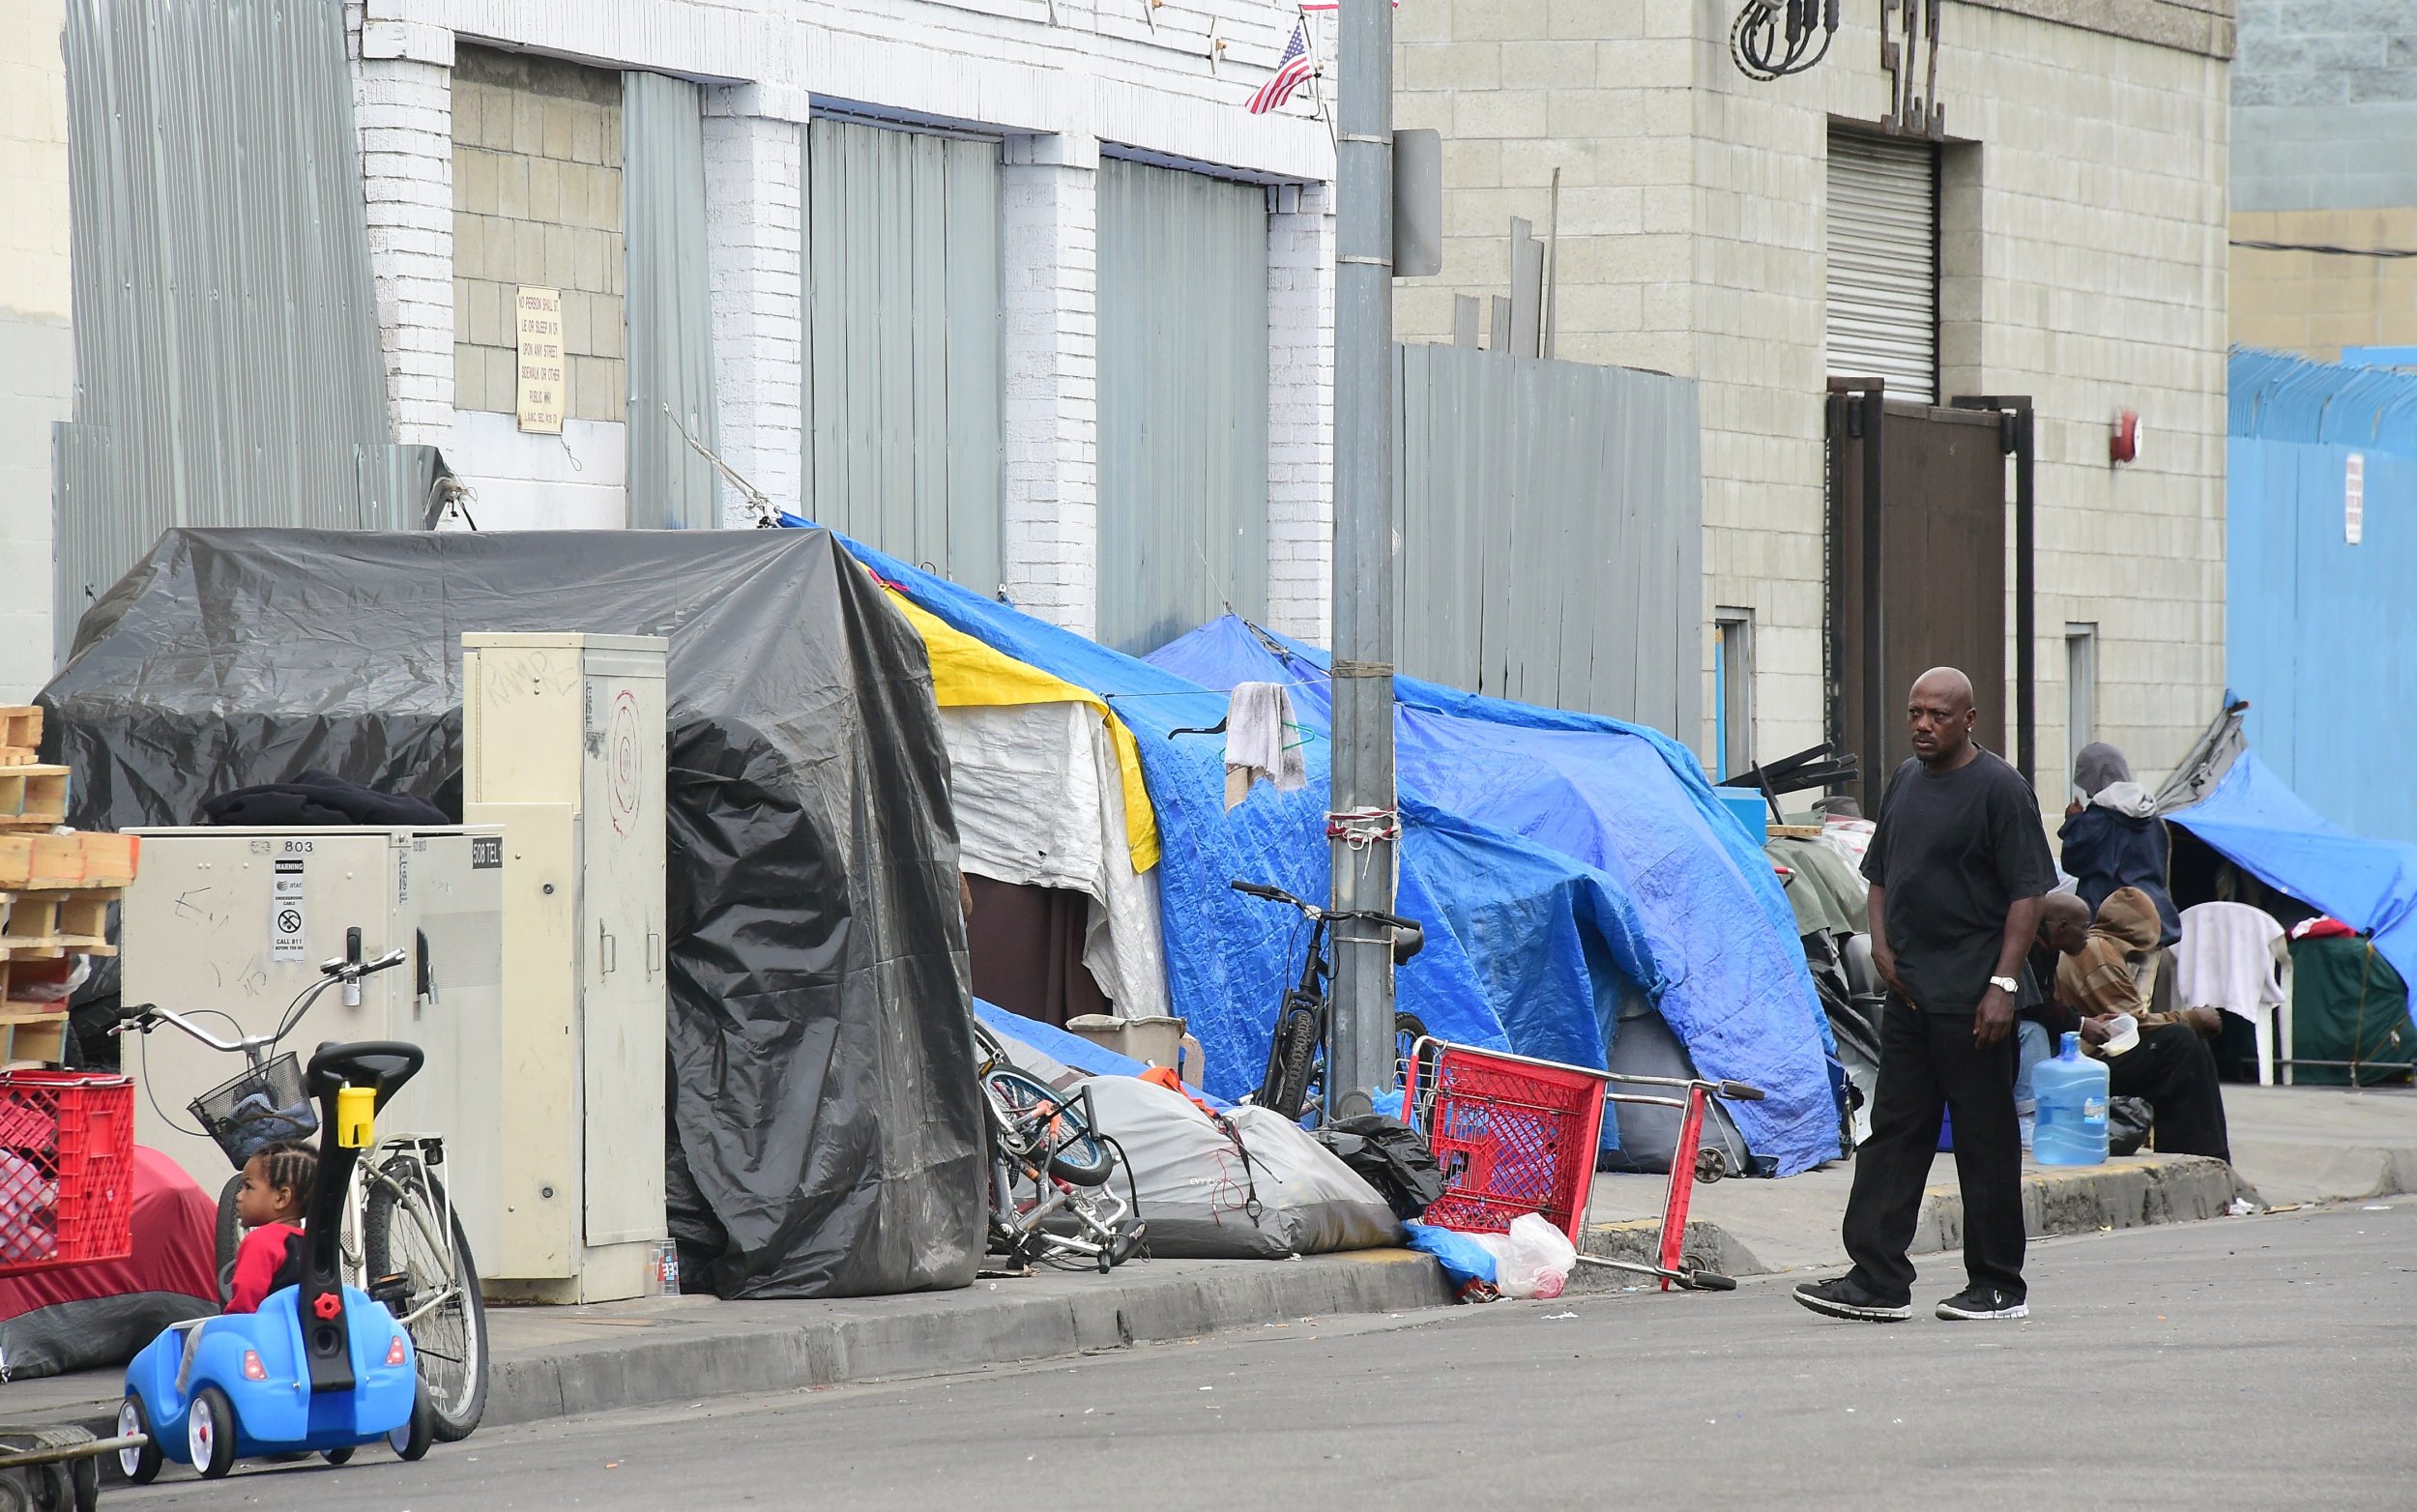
x=1882 y=256
x=2080 y=692
x=1732 y=692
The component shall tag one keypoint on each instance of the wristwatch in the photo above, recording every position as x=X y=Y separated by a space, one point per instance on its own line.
x=2008 y=983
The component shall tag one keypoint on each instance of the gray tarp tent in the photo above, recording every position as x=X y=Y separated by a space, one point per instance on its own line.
x=825 y=1135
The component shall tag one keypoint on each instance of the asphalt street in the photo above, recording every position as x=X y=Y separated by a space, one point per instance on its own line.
x=2257 y=1362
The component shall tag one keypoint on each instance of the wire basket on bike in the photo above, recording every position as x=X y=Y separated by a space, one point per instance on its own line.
x=257 y=1109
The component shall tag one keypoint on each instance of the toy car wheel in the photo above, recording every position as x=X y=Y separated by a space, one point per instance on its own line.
x=412 y=1440
x=210 y=1434
x=340 y=1455
x=139 y=1465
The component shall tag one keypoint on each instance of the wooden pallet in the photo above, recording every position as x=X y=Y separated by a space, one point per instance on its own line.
x=30 y=1037
x=81 y=861
x=33 y=797
x=20 y=729
x=47 y=925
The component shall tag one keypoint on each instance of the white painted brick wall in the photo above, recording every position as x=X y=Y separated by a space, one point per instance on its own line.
x=1300 y=412
x=755 y=228
x=1049 y=220
x=404 y=111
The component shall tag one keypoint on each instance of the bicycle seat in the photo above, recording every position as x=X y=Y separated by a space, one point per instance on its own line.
x=383 y=1063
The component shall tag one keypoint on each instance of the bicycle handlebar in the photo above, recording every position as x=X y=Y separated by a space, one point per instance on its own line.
x=143 y=1016
x=1311 y=910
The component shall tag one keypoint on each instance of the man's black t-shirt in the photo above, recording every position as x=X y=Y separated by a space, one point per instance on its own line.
x=1955 y=849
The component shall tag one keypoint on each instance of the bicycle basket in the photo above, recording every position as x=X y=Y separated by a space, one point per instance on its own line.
x=257 y=1109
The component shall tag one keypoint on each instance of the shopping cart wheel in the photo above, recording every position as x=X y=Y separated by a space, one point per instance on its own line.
x=1711 y=1165
x=1708 y=1281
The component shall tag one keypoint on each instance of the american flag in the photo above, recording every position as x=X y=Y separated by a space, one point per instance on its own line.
x=1292 y=71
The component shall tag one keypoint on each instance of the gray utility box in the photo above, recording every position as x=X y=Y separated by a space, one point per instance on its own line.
x=227 y=925
x=562 y=745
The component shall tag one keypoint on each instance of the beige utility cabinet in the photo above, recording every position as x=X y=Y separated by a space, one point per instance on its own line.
x=228 y=925
x=562 y=746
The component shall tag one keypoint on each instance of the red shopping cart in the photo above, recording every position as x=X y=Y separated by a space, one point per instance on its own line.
x=1515 y=1135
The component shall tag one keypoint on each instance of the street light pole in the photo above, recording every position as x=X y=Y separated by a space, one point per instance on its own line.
x=1362 y=821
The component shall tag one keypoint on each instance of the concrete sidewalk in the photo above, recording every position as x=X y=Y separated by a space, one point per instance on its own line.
x=2294 y=1143
x=2289 y=1144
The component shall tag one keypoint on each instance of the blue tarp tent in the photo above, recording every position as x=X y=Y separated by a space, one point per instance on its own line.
x=2261 y=825
x=1628 y=803
x=1538 y=946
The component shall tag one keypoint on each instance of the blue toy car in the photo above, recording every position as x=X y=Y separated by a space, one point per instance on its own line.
x=321 y=1366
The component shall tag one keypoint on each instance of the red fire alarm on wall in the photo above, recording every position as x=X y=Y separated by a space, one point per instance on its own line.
x=2123 y=445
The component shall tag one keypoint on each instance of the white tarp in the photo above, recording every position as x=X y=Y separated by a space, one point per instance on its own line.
x=1040 y=802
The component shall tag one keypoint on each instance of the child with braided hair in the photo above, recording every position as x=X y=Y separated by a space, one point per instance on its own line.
x=270 y=1202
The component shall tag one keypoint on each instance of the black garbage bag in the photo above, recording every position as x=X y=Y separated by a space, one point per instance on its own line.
x=1390 y=1157
x=825 y=1137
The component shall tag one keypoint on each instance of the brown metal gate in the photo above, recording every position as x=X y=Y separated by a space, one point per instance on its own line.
x=1939 y=559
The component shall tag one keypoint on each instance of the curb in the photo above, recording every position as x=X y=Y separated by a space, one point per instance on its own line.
x=683 y=1349
x=948 y=1332
x=1708 y=1246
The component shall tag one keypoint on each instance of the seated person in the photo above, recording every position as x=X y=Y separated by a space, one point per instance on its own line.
x=2100 y=975
x=275 y=1191
x=2113 y=837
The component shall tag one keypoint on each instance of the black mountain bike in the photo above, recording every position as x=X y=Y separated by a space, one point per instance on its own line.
x=1294 y=1083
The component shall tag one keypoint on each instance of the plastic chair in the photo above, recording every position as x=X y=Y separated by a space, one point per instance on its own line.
x=2272 y=1021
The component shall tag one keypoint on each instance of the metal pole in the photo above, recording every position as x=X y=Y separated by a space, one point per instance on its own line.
x=1877 y=697
x=2025 y=597
x=1362 y=1051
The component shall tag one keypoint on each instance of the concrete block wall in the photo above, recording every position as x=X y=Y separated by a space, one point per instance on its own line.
x=37 y=345
x=2084 y=241
x=754 y=206
x=1301 y=411
x=1049 y=412
x=1167 y=81
x=536 y=173
x=2324 y=154
x=403 y=110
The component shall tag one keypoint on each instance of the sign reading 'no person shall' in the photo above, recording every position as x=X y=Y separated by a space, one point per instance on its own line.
x=539 y=360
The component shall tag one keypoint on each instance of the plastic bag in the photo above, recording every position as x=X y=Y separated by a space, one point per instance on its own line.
x=1533 y=1259
x=1468 y=1265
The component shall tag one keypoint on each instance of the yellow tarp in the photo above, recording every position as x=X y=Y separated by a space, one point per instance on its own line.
x=966 y=673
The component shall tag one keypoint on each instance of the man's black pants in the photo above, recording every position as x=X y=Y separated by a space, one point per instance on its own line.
x=2172 y=1067
x=1928 y=1062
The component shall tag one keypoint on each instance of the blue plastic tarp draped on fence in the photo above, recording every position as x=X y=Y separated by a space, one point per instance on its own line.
x=1537 y=946
x=1632 y=808
x=2259 y=824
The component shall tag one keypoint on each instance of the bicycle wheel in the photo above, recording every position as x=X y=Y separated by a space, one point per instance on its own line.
x=1291 y=1060
x=438 y=1296
x=1076 y=1155
x=229 y=1238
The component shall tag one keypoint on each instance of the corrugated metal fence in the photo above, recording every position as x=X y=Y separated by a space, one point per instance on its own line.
x=226 y=337
x=1552 y=534
x=1182 y=402
x=670 y=305
x=2315 y=620
x=902 y=372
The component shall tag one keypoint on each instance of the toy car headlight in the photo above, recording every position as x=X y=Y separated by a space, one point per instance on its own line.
x=395 y=1351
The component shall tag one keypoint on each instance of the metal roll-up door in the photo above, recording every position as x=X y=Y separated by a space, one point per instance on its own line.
x=902 y=370
x=1883 y=262
x=1182 y=402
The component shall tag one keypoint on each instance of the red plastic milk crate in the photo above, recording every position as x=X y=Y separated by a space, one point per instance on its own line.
x=1512 y=1136
x=66 y=1169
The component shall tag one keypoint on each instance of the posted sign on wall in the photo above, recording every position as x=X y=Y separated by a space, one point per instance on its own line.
x=540 y=361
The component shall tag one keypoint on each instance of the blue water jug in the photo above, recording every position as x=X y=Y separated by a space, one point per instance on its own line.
x=2072 y=1092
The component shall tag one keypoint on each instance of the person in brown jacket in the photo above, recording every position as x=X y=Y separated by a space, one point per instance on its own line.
x=2111 y=965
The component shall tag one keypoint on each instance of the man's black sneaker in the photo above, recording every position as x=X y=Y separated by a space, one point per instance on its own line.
x=1975 y=1302
x=1844 y=1298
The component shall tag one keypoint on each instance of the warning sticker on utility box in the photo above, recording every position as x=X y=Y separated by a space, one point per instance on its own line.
x=286 y=917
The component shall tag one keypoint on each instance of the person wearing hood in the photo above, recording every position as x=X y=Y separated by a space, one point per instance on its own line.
x=2111 y=965
x=2113 y=837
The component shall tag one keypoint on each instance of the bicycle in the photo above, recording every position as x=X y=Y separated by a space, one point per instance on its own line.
x=1293 y=1084
x=401 y=1242
x=1049 y=1170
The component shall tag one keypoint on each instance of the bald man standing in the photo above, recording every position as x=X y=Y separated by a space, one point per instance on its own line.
x=1958 y=866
